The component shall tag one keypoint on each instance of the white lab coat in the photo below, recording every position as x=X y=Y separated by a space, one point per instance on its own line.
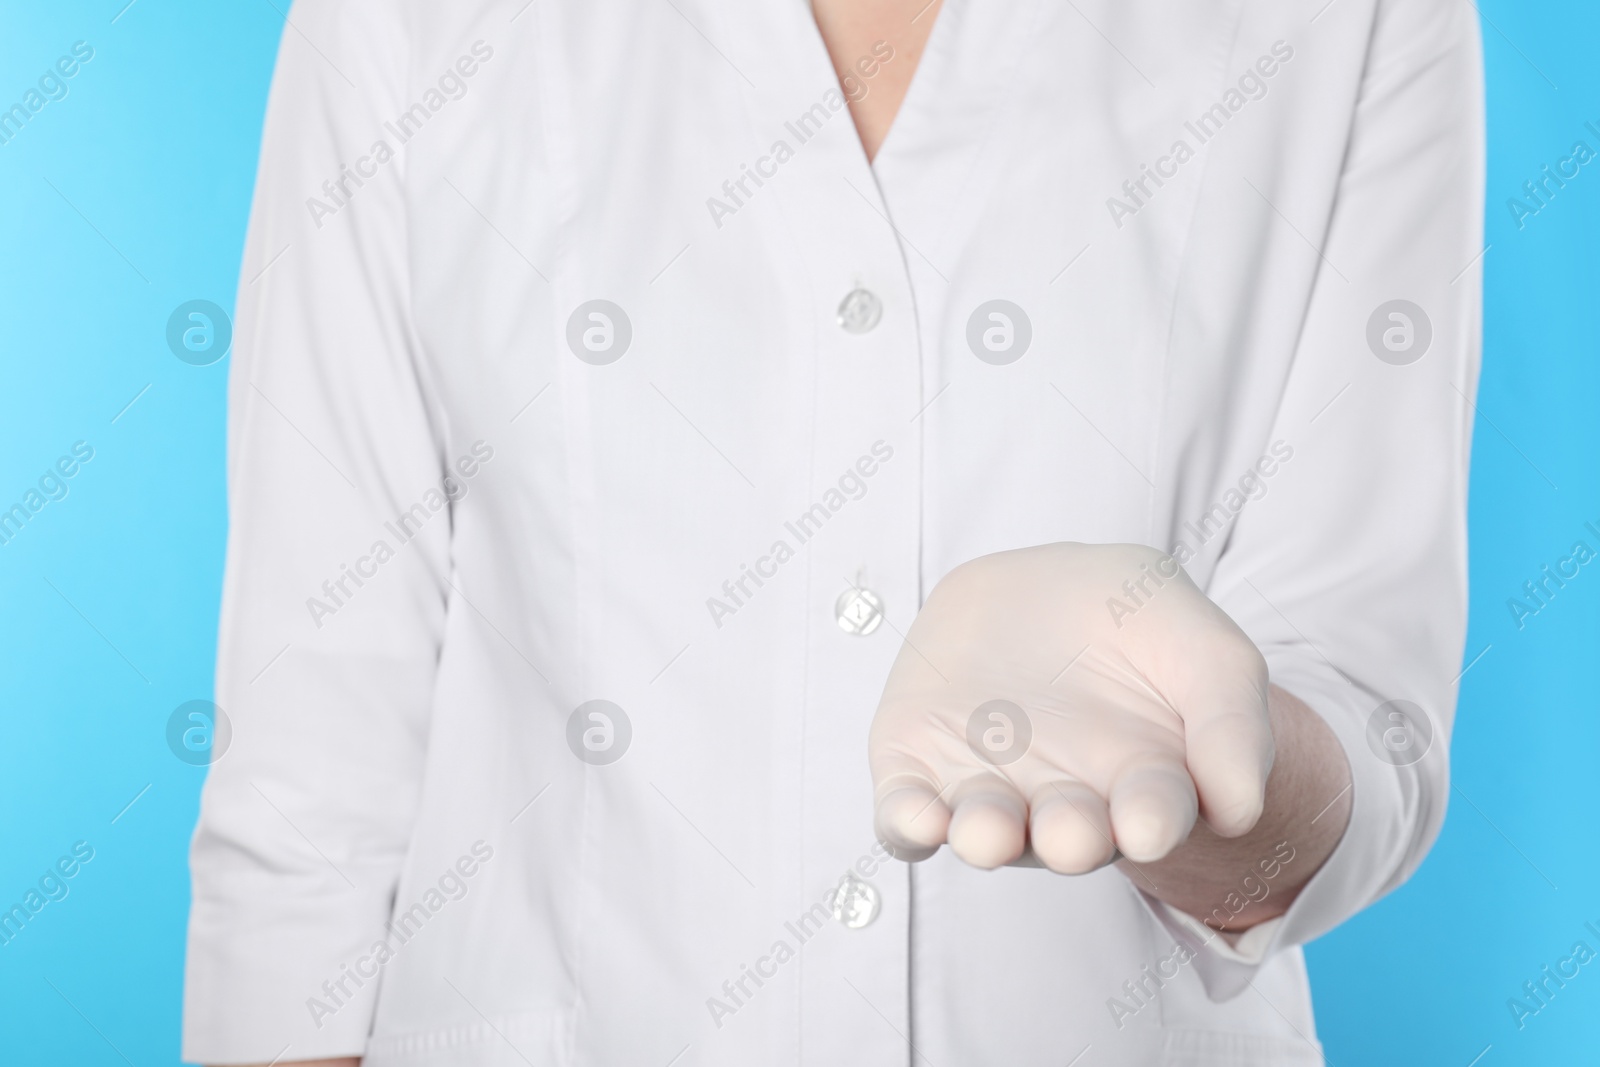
x=543 y=508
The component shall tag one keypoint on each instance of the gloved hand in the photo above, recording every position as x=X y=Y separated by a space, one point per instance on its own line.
x=1062 y=700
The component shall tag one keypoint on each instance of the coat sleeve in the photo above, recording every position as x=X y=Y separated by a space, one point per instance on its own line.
x=1351 y=574
x=333 y=605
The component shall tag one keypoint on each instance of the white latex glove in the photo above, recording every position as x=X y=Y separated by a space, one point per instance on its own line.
x=1146 y=705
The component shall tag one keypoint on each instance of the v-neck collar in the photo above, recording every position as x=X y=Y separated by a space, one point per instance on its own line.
x=937 y=164
x=935 y=55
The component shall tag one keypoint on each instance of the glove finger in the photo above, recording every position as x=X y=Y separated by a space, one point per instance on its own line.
x=911 y=817
x=1153 y=808
x=1229 y=758
x=1069 y=827
x=990 y=826
x=1217 y=680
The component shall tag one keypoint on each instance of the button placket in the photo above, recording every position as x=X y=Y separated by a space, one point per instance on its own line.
x=866 y=382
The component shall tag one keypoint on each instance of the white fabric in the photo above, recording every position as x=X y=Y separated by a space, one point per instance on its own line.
x=400 y=745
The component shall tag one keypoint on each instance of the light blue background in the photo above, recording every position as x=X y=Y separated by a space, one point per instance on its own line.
x=129 y=197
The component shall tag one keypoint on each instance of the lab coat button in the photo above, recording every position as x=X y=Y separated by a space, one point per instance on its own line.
x=859 y=611
x=855 y=903
x=859 y=311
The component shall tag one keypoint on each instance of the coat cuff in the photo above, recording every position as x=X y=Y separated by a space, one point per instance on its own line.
x=298 y=981
x=1395 y=814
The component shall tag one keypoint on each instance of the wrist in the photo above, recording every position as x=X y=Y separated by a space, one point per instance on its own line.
x=1232 y=884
